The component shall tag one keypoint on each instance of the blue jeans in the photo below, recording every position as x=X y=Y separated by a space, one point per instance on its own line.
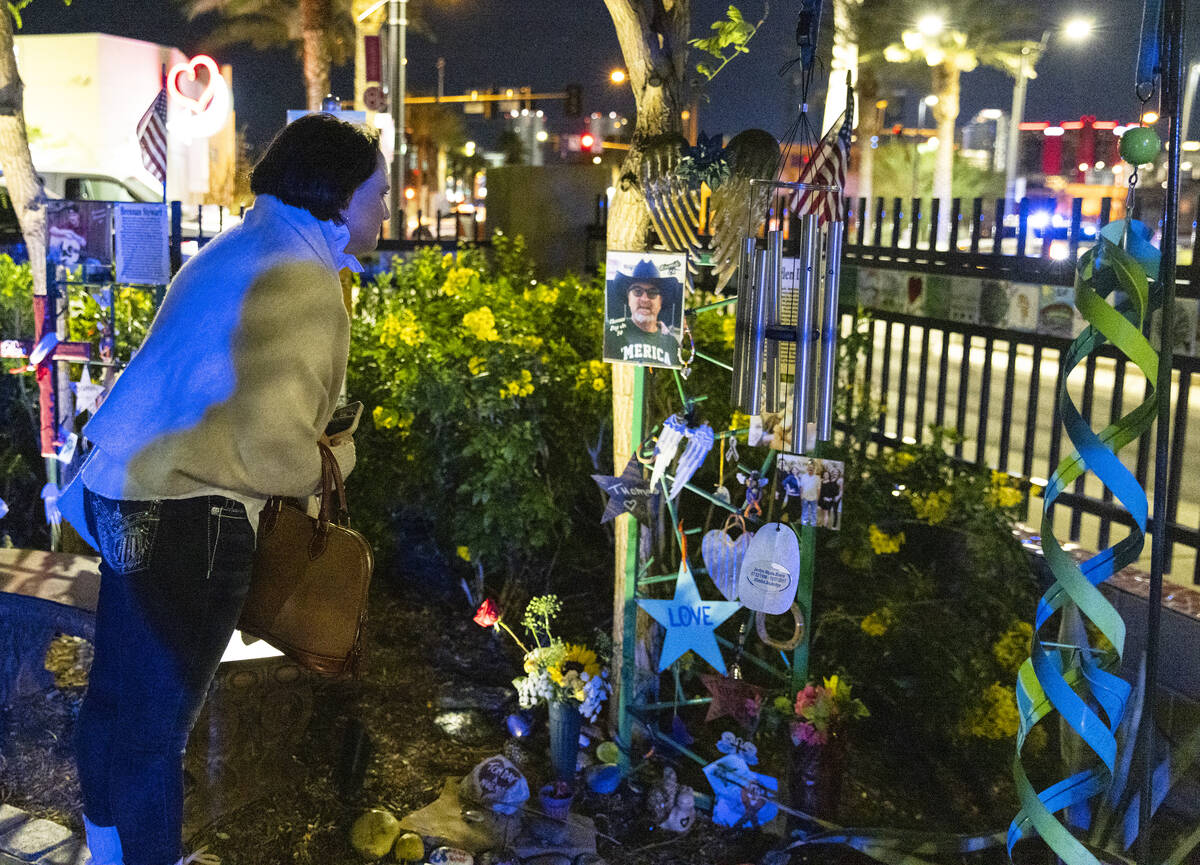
x=173 y=576
x=808 y=512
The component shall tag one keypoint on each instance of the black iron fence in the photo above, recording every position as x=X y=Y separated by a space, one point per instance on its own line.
x=998 y=385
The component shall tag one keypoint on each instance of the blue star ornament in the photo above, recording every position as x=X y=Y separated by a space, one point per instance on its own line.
x=689 y=621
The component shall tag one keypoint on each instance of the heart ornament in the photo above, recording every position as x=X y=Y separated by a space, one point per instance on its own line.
x=188 y=70
x=723 y=555
x=770 y=571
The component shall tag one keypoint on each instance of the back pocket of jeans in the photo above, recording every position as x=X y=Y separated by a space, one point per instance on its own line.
x=127 y=539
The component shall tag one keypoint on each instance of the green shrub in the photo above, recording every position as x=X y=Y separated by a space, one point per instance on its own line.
x=483 y=392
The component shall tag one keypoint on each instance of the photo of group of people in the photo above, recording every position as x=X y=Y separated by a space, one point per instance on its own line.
x=819 y=485
x=643 y=307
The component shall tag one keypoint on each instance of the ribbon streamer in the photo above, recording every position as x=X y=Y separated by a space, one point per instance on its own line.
x=1078 y=682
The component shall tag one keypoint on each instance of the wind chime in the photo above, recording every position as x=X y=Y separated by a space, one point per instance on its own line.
x=785 y=342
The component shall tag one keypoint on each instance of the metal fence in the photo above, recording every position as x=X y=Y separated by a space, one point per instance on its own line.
x=998 y=387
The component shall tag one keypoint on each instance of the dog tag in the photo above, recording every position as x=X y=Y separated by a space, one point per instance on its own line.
x=770 y=571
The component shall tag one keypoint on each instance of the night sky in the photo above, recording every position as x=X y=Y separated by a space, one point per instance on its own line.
x=547 y=44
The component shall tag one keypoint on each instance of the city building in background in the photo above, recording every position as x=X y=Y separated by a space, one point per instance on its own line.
x=84 y=96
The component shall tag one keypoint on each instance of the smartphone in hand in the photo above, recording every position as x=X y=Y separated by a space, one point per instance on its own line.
x=344 y=421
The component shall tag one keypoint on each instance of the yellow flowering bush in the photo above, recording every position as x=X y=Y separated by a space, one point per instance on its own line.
x=882 y=543
x=1003 y=491
x=1011 y=650
x=995 y=715
x=876 y=623
x=481 y=324
x=932 y=508
x=482 y=383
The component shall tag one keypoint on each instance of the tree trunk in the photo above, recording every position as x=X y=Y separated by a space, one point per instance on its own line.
x=315 y=16
x=24 y=189
x=945 y=113
x=845 y=59
x=653 y=38
x=869 y=118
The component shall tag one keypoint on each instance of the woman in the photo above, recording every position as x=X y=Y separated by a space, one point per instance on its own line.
x=828 y=498
x=221 y=407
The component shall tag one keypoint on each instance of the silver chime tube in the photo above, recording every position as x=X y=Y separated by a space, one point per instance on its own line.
x=743 y=325
x=807 y=276
x=829 y=329
x=758 y=335
x=772 y=290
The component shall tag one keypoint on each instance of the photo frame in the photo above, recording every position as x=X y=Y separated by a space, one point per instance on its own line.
x=816 y=484
x=643 y=307
x=79 y=233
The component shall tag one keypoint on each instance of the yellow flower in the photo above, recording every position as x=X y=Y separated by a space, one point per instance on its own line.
x=592 y=374
x=464 y=553
x=1011 y=650
x=933 y=508
x=575 y=659
x=401 y=328
x=877 y=623
x=728 y=327
x=995 y=717
x=477 y=366
x=599 y=384
x=883 y=543
x=1003 y=492
x=541 y=294
x=481 y=324
x=456 y=280
x=522 y=386
x=385 y=418
x=904 y=459
x=739 y=420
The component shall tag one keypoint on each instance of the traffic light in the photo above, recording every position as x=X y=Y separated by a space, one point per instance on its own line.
x=573 y=103
x=587 y=141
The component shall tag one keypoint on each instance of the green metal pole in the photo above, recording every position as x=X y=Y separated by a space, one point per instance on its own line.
x=628 y=660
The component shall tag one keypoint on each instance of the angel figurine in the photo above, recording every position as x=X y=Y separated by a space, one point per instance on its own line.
x=754 y=490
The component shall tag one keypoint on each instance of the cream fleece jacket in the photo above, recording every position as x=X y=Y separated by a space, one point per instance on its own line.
x=239 y=374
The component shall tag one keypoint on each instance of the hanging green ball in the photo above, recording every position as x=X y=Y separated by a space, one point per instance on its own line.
x=1139 y=145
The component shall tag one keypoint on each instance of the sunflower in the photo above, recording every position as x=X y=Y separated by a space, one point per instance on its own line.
x=574 y=659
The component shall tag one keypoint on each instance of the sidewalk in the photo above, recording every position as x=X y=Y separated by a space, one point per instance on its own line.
x=27 y=840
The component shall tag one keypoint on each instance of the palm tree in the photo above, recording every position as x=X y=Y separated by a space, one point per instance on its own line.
x=321 y=32
x=957 y=38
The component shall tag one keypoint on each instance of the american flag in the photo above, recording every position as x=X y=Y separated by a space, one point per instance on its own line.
x=152 y=136
x=827 y=167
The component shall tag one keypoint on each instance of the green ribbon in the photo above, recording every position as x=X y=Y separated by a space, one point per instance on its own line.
x=1113 y=295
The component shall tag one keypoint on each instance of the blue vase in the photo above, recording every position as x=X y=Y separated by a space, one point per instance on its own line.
x=565 y=722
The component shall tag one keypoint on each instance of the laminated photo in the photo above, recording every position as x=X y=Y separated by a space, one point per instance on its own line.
x=643 y=307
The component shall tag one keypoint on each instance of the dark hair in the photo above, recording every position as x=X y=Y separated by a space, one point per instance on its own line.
x=316 y=162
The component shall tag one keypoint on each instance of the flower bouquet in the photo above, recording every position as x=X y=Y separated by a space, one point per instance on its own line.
x=568 y=677
x=820 y=714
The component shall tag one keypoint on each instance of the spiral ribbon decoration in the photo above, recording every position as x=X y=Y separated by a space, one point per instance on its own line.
x=1113 y=295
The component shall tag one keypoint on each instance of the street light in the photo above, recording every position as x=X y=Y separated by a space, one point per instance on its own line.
x=931 y=25
x=617 y=76
x=1073 y=30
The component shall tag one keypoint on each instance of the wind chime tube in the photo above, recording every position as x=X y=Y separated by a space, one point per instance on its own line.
x=772 y=286
x=743 y=326
x=758 y=335
x=829 y=329
x=806 y=275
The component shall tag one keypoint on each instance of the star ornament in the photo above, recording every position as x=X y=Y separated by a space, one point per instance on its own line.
x=689 y=621
x=628 y=493
x=734 y=697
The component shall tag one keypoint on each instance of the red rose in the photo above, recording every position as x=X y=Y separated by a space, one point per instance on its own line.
x=487 y=614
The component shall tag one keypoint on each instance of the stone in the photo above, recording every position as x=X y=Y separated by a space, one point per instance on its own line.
x=467 y=725
x=497 y=784
x=34 y=839
x=74 y=852
x=489 y=698
x=546 y=832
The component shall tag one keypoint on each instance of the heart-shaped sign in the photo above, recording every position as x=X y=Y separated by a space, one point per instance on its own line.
x=722 y=557
x=189 y=71
x=771 y=569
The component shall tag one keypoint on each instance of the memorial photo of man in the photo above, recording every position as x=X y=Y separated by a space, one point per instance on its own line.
x=642 y=323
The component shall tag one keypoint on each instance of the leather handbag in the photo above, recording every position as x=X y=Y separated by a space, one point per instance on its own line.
x=308 y=590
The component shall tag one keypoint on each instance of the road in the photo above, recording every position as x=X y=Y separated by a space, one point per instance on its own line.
x=965 y=369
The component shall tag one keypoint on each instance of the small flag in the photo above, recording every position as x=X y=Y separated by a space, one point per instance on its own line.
x=827 y=167
x=152 y=136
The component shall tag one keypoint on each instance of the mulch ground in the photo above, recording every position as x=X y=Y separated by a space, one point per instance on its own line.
x=415 y=654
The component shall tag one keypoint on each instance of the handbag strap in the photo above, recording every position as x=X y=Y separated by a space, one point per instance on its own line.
x=331 y=482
